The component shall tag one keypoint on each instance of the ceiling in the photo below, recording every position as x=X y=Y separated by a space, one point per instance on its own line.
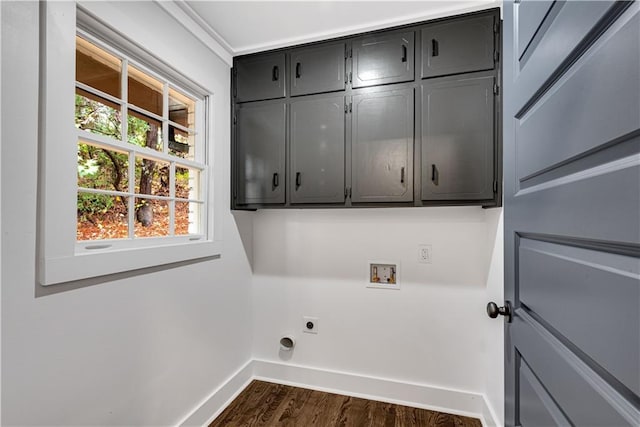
x=250 y=26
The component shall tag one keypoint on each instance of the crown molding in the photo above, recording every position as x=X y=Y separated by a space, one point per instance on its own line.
x=372 y=26
x=192 y=22
x=184 y=14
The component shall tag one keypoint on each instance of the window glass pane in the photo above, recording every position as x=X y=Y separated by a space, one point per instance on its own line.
x=97 y=68
x=188 y=218
x=182 y=109
x=144 y=91
x=101 y=216
x=97 y=115
x=181 y=143
x=102 y=169
x=144 y=131
x=187 y=183
x=152 y=177
x=152 y=218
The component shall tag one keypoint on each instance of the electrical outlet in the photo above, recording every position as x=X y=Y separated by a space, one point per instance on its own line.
x=424 y=254
x=310 y=325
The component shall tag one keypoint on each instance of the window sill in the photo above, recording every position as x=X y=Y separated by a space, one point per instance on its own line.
x=108 y=261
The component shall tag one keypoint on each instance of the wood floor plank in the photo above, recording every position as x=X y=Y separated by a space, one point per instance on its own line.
x=290 y=411
x=264 y=404
x=382 y=415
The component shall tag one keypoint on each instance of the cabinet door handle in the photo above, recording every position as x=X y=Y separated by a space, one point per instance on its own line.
x=434 y=47
x=275 y=180
x=434 y=174
x=297 y=70
x=404 y=53
x=275 y=73
x=298 y=179
x=402 y=175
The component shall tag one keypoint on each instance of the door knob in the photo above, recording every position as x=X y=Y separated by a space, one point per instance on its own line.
x=493 y=310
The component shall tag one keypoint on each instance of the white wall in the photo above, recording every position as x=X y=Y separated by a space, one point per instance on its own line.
x=139 y=349
x=494 y=371
x=146 y=349
x=432 y=331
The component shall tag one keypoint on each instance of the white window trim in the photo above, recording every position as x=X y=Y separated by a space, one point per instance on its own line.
x=61 y=258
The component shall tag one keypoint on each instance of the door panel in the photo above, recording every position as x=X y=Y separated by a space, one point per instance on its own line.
x=383 y=59
x=563 y=33
x=570 y=288
x=260 y=77
x=260 y=144
x=556 y=117
x=382 y=147
x=317 y=69
x=317 y=150
x=460 y=46
x=579 y=392
x=532 y=14
x=572 y=209
x=458 y=138
x=537 y=407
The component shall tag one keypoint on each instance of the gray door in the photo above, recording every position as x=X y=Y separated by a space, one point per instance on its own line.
x=317 y=150
x=572 y=214
x=260 y=77
x=260 y=148
x=317 y=69
x=382 y=147
x=461 y=46
x=383 y=58
x=458 y=137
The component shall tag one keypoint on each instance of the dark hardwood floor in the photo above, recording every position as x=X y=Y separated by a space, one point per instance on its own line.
x=267 y=404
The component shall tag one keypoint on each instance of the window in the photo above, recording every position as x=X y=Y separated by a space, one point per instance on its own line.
x=126 y=178
x=140 y=177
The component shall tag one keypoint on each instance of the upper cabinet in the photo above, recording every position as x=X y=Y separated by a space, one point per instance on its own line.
x=459 y=46
x=458 y=137
x=260 y=153
x=317 y=69
x=383 y=58
x=260 y=77
x=404 y=116
x=317 y=149
x=382 y=147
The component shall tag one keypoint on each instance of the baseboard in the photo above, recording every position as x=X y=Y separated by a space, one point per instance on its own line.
x=219 y=399
x=386 y=390
x=489 y=417
x=380 y=389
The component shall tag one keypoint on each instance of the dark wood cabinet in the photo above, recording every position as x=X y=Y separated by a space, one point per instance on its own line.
x=317 y=149
x=458 y=137
x=458 y=46
x=260 y=153
x=382 y=147
x=260 y=77
x=317 y=69
x=405 y=116
x=383 y=59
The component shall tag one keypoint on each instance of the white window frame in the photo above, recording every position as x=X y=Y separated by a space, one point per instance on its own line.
x=61 y=257
x=133 y=151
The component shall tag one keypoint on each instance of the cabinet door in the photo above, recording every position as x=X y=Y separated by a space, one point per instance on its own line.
x=317 y=150
x=317 y=69
x=383 y=58
x=260 y=77
x=458 y=46
x=458 y=138
x=260 y=148
x=382 y=147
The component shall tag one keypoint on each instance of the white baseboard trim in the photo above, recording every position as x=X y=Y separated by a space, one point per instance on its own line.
x=220 y=398
x=489 y=417
x=367 y=387
x=401 y=393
